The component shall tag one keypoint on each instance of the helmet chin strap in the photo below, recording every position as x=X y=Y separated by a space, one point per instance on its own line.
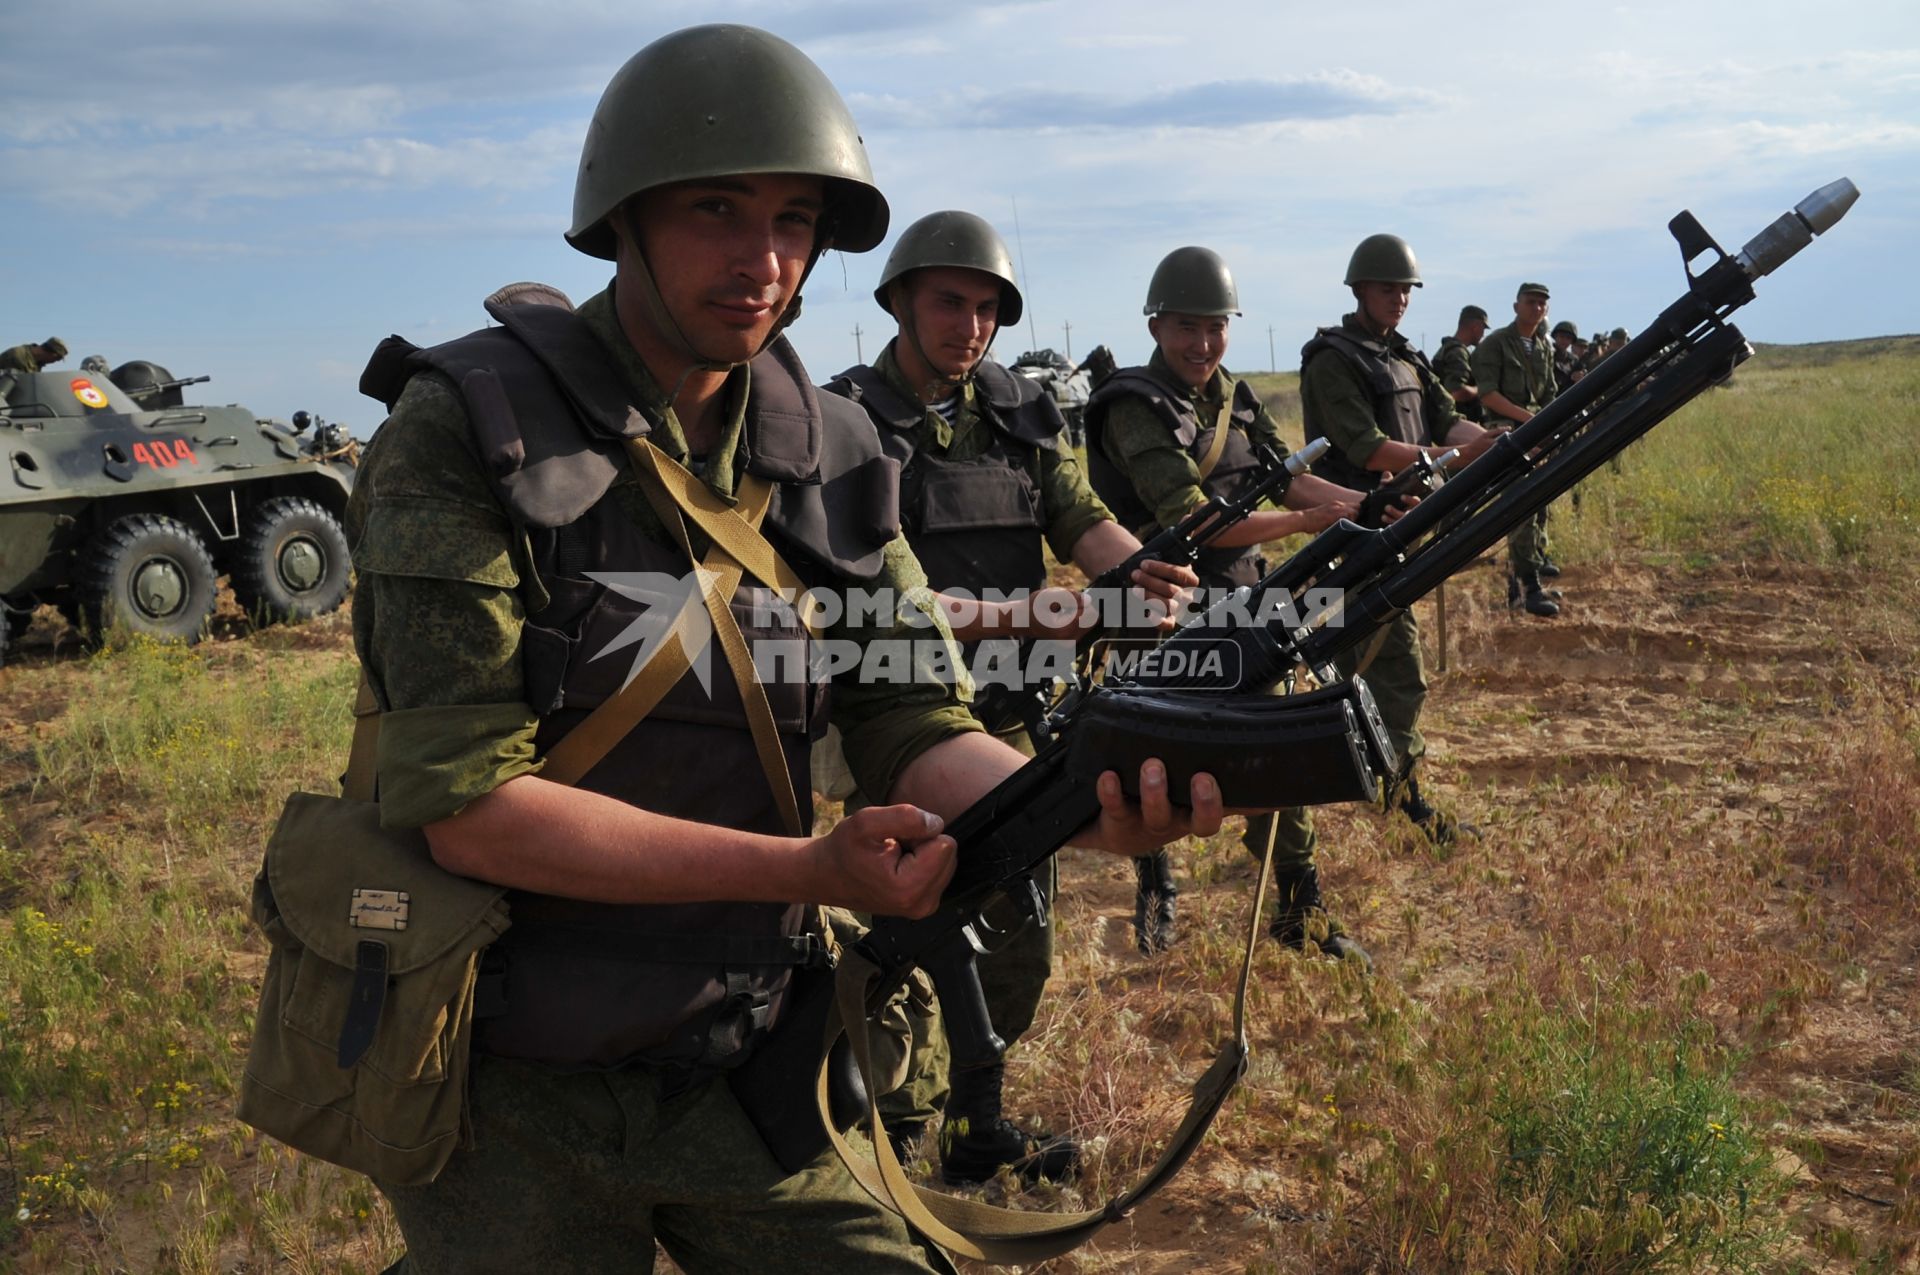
x=664 y=322
x=939 y=387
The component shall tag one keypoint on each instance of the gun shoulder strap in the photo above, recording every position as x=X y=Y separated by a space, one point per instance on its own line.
x=1222 y=423
x=987 y=1232
x=736 y=548
x=742 y=549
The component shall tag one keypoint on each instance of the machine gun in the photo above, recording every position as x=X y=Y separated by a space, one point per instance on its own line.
x=1325 y=745
x=1000 y=707
x=1420 y=479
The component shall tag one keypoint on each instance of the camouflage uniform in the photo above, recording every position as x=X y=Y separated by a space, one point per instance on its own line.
x=578 y=1168
x=1166 y=480
x=1453 y=364
x=20 y=358
x=1014 y=976
x=1502 y=364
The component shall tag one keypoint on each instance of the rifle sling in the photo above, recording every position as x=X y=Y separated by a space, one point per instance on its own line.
x=987 y=1232
x=1222 y=423
x=737 y=547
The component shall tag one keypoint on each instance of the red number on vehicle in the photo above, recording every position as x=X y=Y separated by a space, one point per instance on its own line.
x=141 y=454
x=184 y=452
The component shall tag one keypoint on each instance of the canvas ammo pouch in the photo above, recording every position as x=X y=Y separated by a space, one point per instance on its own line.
x=360 y=1047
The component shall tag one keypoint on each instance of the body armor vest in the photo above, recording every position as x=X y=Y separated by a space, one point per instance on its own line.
x=974 y=524
x=1237 y=466
x=1397 y=384
x=594 y=985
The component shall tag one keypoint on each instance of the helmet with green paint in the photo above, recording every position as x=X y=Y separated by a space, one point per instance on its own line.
x=723 y=101
x=1567 y=327
x=1192 y=281
x=1383 y=259
x=960 y=240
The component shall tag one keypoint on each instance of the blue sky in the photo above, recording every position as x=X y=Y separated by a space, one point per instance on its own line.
x=260 y=192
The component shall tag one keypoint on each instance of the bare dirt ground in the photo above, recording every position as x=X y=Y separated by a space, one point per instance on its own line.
x=1705 y=712
x=1714 y=703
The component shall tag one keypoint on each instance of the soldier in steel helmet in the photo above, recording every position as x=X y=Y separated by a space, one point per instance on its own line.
x=1164 y=437
x=493 y=510
x=1366 y=389
x=985 y=482
x=33 y=356
x=1453 y=362
x=1566 y=358
x=1514 y=367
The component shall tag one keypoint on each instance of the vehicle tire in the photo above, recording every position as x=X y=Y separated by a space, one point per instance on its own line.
x=292 y=562
x=149 y=574
x=15 y=620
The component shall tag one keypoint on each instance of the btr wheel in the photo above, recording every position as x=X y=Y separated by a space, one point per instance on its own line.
x=148 y=574
x=292 y=562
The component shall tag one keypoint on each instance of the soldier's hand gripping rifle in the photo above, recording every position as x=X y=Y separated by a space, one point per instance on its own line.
x=1198 y=708
x=1420 y=479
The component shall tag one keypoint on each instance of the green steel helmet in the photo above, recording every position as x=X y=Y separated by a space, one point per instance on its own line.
x=54 y=346
x=1566 y=327
x=1618 y=334
x=958 y=239
x=1192 y=281
x=719 y=101
x=1383 y=259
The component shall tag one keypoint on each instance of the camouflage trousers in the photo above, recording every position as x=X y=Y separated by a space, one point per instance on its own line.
x=1013 y=976
x=1527 y=546
x=583 y=1172
x=1398 y=678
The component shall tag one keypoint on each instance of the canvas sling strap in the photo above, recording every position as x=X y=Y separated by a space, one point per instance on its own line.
x=990 y=1233
x=1222 y=423
x=737 y=548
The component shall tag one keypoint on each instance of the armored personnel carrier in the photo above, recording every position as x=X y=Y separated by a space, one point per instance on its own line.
x=122 y=505
x=1063 y=382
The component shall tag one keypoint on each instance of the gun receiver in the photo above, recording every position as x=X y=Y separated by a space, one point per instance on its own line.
x=1418 y=479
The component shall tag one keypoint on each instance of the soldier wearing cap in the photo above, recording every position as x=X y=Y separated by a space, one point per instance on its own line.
x=1163 y=438
x=1514 y=367
x=1566 y=358
x=718 y=167
x=1453 y=362
x=33 y=356
x=985 y=481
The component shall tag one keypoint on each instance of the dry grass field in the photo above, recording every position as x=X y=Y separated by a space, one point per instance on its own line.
x=1663 y=1015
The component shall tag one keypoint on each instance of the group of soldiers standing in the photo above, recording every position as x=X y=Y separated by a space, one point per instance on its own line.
x=1502 y=378
x=666 y=423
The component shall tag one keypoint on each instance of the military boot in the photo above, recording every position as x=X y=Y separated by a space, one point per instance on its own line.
x=1549 y=570
x=1301 y=915
x=1523 y=588
x=1439 y=826
x=977 y=1140
x=1154 y=893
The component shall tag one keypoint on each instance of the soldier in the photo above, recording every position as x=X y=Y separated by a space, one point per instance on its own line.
x=1453 y=362
x=985 y=480
x=1514 y=368
x=33 y=356
x=718 y=167
x=1368 y=390
x=1566 y=359
x=1616 y=340
x=1156 y=450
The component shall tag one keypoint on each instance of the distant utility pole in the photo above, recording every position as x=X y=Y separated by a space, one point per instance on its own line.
x=1068 y=329
x=1026 y=284
x=1273 y=364
x=859 y=356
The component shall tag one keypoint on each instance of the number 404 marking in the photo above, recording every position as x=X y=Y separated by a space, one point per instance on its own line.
x=164 y=453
